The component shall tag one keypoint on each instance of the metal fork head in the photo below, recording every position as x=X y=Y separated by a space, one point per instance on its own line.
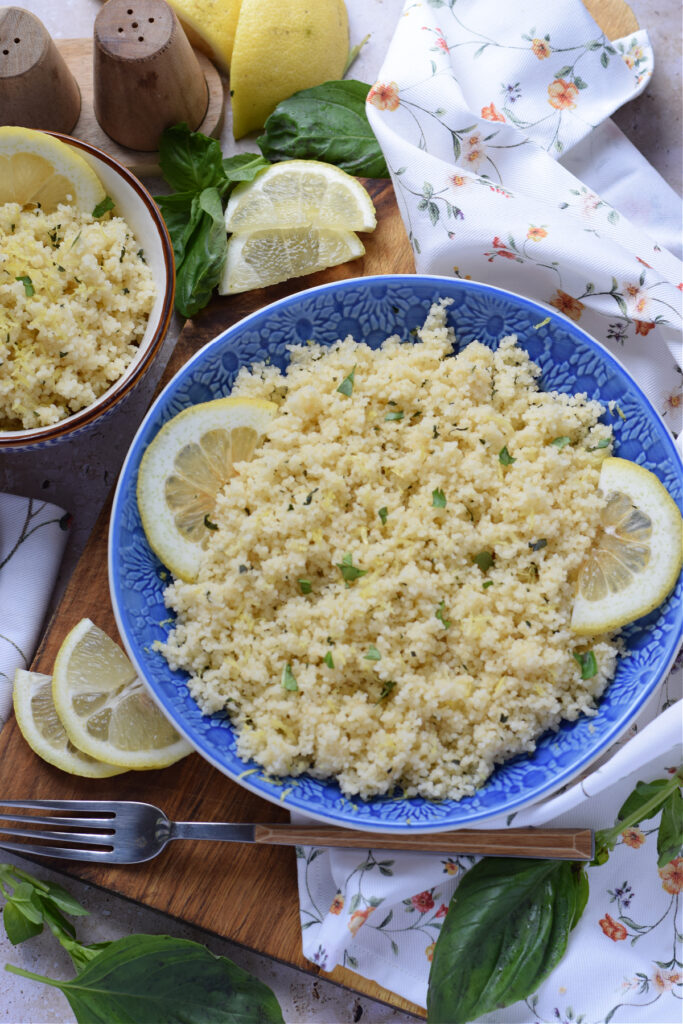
x=108 y=831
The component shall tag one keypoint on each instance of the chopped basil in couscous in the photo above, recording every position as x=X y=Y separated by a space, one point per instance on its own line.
x=75 y=298
x=404 y=616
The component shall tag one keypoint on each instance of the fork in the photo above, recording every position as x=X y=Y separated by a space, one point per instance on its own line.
x=127 y=832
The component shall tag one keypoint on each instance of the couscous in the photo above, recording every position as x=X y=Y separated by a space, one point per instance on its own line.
x=75 y=298
x=387 y=596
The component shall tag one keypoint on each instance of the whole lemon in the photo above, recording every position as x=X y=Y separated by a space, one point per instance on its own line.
x=282 y=46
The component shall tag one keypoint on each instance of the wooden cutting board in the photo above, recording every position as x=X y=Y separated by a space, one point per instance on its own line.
x=244 y=893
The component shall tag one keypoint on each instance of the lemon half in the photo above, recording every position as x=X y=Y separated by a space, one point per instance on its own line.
x=637 y=555
x=298 y=193
x=42 y=728
x=38 y=168
x=186 y=465
x=106 y=709
x=210 y=26
x=280 y=47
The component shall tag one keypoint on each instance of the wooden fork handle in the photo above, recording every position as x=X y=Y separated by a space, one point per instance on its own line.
x=550 y=843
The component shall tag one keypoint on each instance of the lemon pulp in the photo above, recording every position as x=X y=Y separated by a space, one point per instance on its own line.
x=186 y=465
x=637 y=555
x=43 y=730
x=105 y=708
x=39 y=169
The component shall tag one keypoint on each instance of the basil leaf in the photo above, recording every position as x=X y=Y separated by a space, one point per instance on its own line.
x=305 y=586
x=349 y=571
x=562 y=442
x=329 y=661
x=178 y=216
x=670 y=833
x=386 y=690
x=63 y=900
x=205 y=253
x=587 y=663
x=28 y=285
x=506 y=929
x=346 y=386
x=504 y=457
x=383 y=513
x=394 y=415
x=484 y=559
x=438 y=498
x=190 y=161
x=103 y=207
x=372 y=654
x=327 y=122
x=288 y=680
x=162 y=980
x=643 y=794
x=243 y=167
x=18 y=926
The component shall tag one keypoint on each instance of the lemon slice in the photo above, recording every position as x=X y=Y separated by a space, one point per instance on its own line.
x=210 y=26
x=105 y=708
x=37 y=168
x=282 y=46
x=298 y=193
x=42 y=728
x=271 y=255
x=186 y=465
x=637 y=555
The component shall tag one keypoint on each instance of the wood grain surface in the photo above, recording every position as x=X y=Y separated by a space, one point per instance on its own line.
x=244 y=893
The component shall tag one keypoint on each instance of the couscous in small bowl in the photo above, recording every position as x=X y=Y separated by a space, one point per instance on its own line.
x=133 y=203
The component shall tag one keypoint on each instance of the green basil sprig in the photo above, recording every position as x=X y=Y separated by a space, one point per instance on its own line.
x=506 y=929
x=157 y=979
x=327 y=122
x=509 y=921
x=193 y=164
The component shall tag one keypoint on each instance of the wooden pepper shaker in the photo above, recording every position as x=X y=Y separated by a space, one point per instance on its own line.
x=146 y=74
x=37 y=90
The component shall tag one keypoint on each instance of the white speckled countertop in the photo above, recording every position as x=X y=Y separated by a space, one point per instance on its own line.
x=82 y=478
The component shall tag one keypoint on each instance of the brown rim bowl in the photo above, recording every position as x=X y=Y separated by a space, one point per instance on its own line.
x=135 y=204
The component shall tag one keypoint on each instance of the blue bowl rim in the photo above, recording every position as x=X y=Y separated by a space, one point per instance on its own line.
x=563 y=778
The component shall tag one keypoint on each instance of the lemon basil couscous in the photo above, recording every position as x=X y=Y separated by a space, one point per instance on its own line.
x=75 y=298
x=387 y=593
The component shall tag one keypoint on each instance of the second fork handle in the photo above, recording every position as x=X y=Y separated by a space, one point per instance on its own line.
x=551 y=843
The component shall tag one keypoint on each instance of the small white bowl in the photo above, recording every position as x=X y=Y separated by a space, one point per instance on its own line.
x=136 y=206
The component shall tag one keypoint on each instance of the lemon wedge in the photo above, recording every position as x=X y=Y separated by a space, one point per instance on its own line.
x=41 y=727
x=271 y=255
x=105 y=708
x=282 y=46
x=298 y=193
x=189 y=461
x=38 y=168
x=210 y=26
x=637 y=555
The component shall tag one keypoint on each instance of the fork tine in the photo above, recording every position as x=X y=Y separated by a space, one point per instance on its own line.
x=91 y=806
x=57 y=821
x=63 y=852
x=93 y=838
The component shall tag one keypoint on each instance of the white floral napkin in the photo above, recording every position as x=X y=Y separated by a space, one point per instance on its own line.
x=494 y=121
x=32 y=538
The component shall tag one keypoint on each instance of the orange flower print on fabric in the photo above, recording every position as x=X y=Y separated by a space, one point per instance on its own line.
x=501 y=250
x=536 y=234
x=358 y=918
x=644 y=326
x=612 y=929
x=633 y=837
x=423 y=901
x=541 y=48
x=337 y=904
x=672 y=876
x=450 y=866
x=429 y=951
x=458 y=180
x=491 y=114
x=384 y=96
x=665 y=980
x=636 y=299
x=568 y=305
x=562 y=94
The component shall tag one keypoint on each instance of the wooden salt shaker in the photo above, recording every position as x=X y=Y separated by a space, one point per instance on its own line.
x=37 y=90
x=146 y=74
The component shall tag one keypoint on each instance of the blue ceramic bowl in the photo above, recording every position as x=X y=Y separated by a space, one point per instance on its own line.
x=371 y=309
